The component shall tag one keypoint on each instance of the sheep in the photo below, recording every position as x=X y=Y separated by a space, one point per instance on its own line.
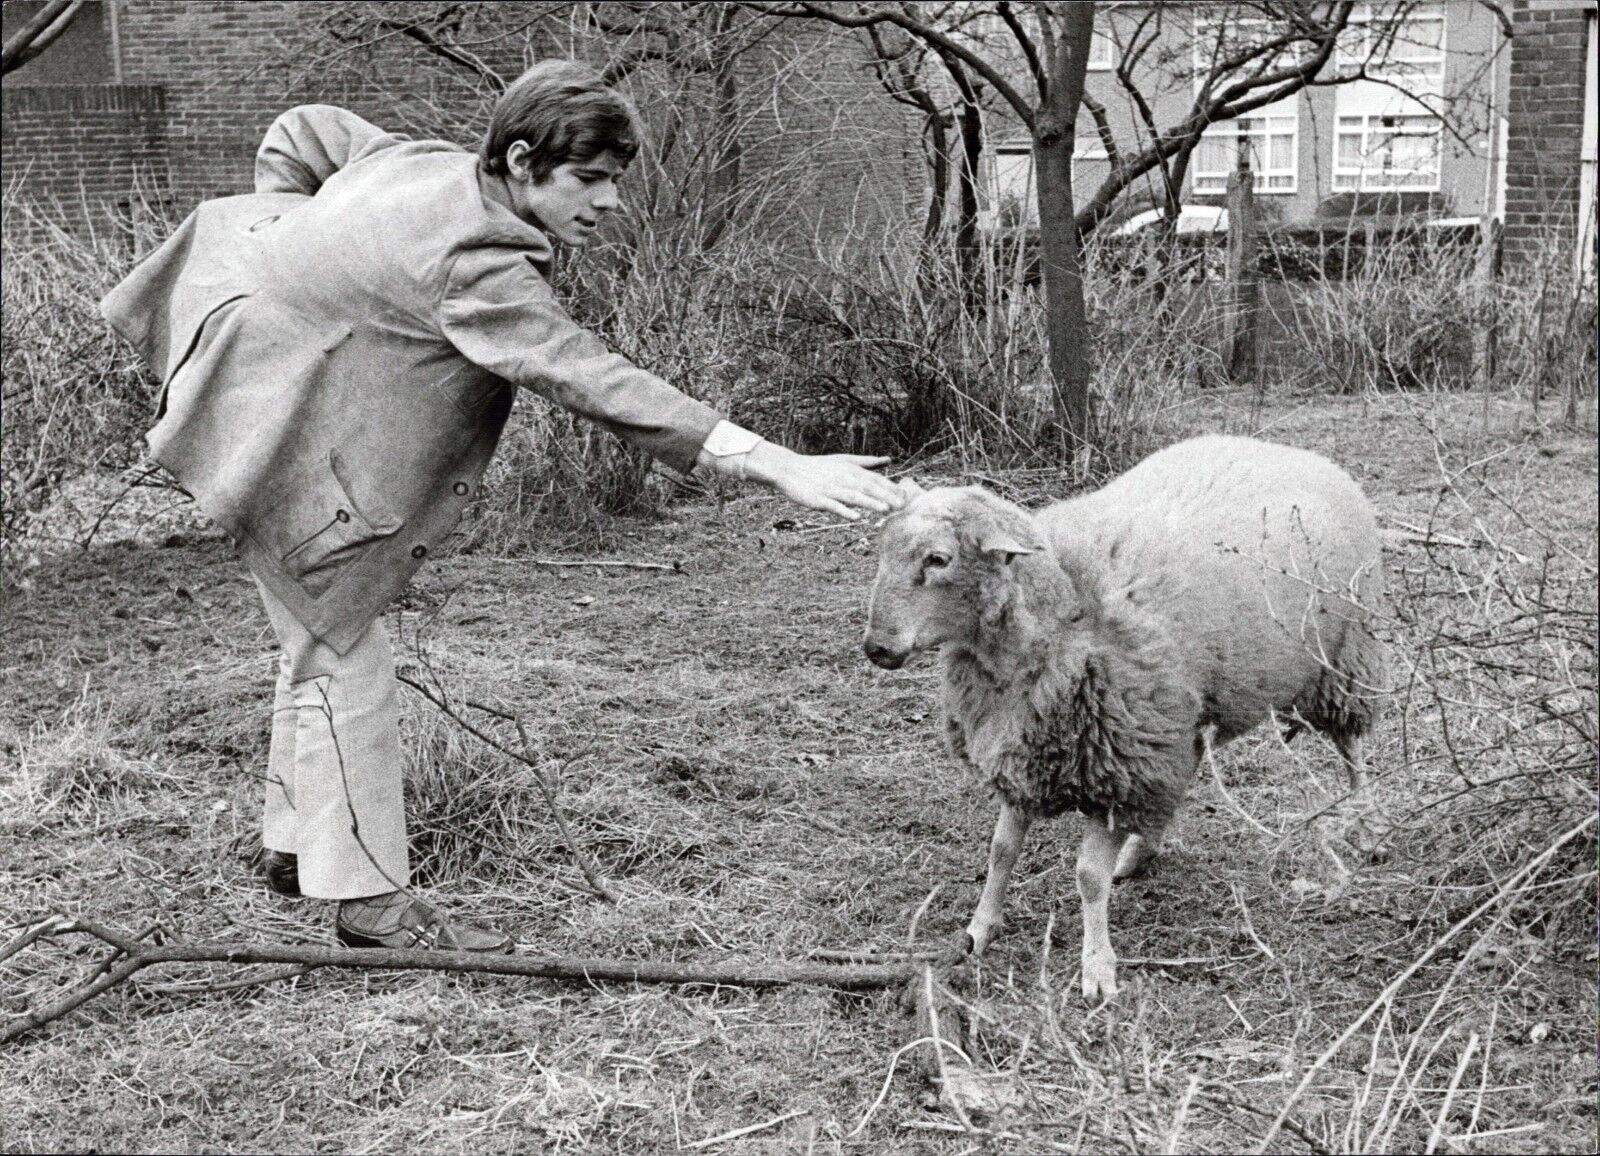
x=1092 y=650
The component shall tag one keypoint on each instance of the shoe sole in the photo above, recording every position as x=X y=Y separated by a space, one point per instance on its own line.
x=356 y=939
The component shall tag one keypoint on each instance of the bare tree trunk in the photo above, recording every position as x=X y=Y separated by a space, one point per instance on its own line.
x=939 y=193
x=1066 y=317
x=967 y=204
x=1244 y=290
x=970 y=121
x=726 y=158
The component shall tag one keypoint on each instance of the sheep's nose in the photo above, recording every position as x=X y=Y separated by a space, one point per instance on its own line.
x=881 y=655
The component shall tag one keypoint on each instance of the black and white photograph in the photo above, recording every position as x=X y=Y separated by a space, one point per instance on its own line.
x=841 y=577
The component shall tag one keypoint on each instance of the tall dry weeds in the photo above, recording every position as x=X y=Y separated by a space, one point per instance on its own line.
x=75 y=398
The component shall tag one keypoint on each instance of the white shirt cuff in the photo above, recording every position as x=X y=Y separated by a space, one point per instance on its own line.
x=726 y=448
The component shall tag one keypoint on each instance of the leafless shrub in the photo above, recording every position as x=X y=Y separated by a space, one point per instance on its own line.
x=1403 y=319
x=1549 y=326
x=75 y=398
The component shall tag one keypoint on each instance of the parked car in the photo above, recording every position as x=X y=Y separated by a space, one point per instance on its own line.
x=1192 y=219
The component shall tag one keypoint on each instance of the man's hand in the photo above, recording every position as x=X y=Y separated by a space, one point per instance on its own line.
x=841 y=484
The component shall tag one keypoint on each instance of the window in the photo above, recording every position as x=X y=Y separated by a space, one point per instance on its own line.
x=1386 y=153
x=1217 y=40
x=1406 y=48
x=1272 y=136
x=1010 y=200
x=1012 y=203
x=1102 y=52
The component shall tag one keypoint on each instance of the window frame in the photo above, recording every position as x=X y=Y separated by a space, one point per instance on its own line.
x=1101 y=38
x=1405 y=63
x=1262 y=174
x=1205 y=27
x=1363 y=179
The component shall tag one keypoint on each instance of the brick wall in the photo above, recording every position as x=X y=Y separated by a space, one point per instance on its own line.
x=838 y=159
x=228 y=69
x=1548 y=56
x=75 y=149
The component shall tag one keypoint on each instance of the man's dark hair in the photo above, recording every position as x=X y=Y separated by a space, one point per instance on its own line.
x=565 y=112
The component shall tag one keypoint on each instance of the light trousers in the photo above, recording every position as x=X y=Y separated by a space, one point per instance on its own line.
x=335 y=796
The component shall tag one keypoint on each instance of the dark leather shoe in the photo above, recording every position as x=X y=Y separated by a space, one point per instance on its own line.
x=413 y=924
x=282 y=871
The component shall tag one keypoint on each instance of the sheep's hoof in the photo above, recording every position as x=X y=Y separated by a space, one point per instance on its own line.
x=1099 y=980
x=962 y=947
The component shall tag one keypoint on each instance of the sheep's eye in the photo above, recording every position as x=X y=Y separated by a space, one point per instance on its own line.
x=936 y=561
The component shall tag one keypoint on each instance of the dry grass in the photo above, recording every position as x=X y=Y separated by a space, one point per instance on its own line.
x=751 y=787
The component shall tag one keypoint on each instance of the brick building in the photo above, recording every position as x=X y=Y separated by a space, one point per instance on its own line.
x=1550 y=153
x=1378 y=145
x=1515 y=141
x=166 y=100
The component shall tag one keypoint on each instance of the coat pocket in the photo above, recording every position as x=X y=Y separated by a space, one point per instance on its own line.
x=334 y=517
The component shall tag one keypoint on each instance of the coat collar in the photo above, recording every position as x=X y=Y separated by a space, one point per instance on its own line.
x=508 y=226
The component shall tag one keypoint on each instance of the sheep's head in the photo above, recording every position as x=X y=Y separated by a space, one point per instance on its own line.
x=944 y=563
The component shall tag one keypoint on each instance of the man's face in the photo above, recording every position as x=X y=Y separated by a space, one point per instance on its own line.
x=570 y=204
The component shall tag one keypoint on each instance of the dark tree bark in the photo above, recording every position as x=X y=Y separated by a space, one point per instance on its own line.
x=38 y=34
x=1067 y=324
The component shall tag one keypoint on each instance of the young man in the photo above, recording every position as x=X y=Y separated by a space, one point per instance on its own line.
x=338 y=354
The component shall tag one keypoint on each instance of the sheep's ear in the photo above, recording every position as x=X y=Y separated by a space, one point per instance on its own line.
x=1006 y=544
x=909 y=487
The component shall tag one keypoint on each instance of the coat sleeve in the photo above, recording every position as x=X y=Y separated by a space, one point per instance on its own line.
x=500 y=313
x=308 y=144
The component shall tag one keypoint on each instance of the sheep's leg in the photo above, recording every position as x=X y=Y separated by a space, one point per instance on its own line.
x=1097 y=856
x=1366 y=830
x=1009 y=831
x=1137 y=851
x=1355 y=764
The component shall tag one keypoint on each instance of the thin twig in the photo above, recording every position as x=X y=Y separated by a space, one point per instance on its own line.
x=242 y=982
x=592 y=876
x=1527 y=870
x=748 y=1129
x=846 y=955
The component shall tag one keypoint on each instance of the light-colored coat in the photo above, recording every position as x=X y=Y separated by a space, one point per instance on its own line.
x=1090 y=649
x=337 y=354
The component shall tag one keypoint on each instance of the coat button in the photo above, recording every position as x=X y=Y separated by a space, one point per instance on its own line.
x=342 y=516
x=419 y=551
x=461 y=489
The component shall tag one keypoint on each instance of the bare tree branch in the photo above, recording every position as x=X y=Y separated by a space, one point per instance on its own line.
x=38 y=34
x=1102 y=126
x=437 y=697
x=1233 y=99
x=861 y=18
x=1030 y=51
x=1500 y=14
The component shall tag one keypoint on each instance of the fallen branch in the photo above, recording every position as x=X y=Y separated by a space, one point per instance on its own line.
x=865 y=955
x=670 y=567
x=133 y=956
